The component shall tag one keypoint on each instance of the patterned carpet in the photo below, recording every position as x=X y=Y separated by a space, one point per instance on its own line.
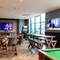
x=23 y=53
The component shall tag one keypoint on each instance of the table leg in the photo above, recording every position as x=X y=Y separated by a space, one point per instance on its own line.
x=53 y=44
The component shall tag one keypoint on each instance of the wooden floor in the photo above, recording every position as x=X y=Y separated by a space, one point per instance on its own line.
x=23 y=53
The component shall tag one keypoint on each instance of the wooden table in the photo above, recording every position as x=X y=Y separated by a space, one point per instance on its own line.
x=48 y=41
x=39 y=35
x=7 y=36
x=7 y=33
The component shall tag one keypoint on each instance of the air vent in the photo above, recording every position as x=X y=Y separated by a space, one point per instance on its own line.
x=26 y=14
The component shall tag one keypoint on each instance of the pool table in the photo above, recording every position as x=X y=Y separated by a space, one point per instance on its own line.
x=49 y=54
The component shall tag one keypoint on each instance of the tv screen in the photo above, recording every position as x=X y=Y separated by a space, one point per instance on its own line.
x=53 y=24
x=6 y=25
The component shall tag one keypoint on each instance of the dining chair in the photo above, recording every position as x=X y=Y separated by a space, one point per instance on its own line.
x=4 y=49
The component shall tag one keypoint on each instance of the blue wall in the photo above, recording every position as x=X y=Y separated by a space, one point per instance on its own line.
x=21 y=23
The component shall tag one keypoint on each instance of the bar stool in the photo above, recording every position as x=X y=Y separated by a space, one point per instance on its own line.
x=53 y=43
x=12 y=46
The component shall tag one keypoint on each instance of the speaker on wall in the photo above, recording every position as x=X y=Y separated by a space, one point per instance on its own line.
x=26 y=21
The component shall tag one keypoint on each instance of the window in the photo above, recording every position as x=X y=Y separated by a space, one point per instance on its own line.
x=37 y=19
x=32 y=25
x=38 y=28
x=43 y=18
x=42 y=28
x=32 y=28
x=43 y=24
x=37 y=24
x=32 y=20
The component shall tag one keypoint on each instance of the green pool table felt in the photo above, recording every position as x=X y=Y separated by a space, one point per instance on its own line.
x=54 y=53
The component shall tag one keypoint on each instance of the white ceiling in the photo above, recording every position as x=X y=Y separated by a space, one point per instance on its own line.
x=26 y=8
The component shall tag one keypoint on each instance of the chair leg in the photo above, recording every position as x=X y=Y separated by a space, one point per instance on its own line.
x=7 y=50
x=16 y=50
x=0 y=48
x=53 y=45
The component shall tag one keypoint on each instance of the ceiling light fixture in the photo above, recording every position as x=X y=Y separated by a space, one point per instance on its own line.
x=54 y=4
x=21 y=0
x=12 y=11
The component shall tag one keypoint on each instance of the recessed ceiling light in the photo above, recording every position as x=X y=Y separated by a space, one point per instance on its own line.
x=54 y=4
x=21 y=0
x=12 y=11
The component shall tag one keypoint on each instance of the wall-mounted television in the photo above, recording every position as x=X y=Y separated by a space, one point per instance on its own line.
x=53 y=24
x=6 y=25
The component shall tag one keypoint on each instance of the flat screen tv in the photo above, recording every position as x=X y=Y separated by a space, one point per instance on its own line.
x=6 y=25
x=53 y=24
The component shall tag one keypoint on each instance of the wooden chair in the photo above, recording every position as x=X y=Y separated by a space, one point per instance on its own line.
x=19 y=40
x=4 y=49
